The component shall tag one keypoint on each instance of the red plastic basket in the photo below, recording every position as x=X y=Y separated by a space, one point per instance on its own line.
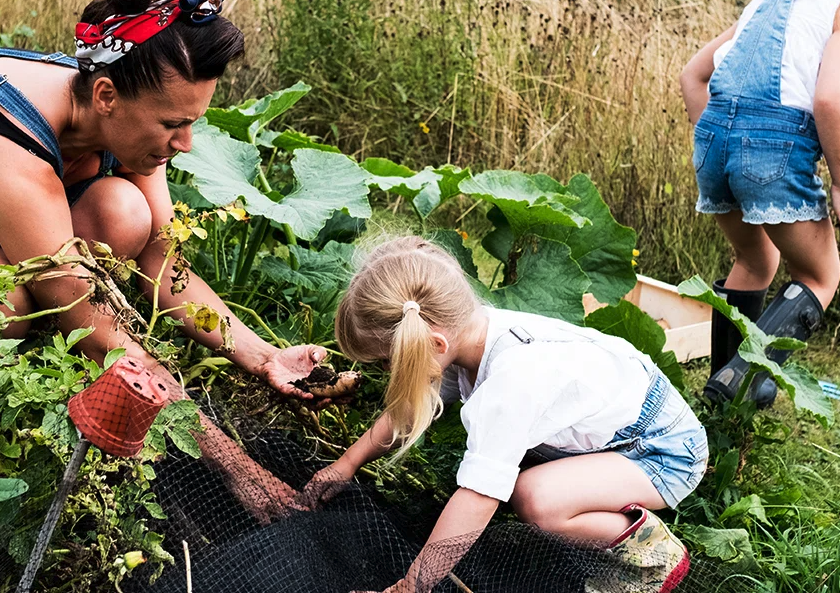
x=116 y=411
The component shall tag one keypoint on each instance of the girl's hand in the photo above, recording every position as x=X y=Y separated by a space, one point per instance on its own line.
x=282 y=367
x=328 y=482
x=835 y=198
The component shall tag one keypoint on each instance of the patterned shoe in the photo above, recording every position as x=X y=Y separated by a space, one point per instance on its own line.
x=656 y=561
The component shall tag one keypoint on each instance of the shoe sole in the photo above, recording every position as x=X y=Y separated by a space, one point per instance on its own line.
x=677 y=575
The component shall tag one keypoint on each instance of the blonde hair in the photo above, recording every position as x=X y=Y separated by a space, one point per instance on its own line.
x=371 y=324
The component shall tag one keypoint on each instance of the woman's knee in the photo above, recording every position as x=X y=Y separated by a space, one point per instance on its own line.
x=114 y=211
x=23 y=303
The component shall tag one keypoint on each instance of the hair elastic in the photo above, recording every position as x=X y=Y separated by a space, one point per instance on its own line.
x=409 y=305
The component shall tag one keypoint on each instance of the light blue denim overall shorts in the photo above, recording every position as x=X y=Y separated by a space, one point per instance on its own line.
x=667 y=442
x=751 y=153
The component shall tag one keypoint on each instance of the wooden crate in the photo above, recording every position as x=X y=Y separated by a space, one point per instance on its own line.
x=687 y=323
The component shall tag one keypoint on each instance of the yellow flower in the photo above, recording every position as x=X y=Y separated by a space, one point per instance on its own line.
x=635 y=253
x=633 y=261
x=463 y=234
x=423 y=127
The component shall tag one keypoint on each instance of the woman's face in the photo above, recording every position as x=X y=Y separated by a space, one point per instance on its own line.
x=145 y=132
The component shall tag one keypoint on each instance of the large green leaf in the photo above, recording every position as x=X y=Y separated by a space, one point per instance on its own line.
x=291 y=140
x=223 y=169
x=544 y=279
x=604 y=249
x=729 y=545
x=798 y=382
x=525 y=204
x=453 y=243
x=326 y=182
x=748 y=505
x=11 y=488
x=244 y=121
x=427 y=189
x=189 y=196
x=627 y=321
x=317 y=270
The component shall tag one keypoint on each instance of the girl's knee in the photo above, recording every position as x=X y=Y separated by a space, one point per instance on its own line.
x=114 y=211
x=532 y=505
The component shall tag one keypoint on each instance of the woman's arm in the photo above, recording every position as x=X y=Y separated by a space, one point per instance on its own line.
x=695 y=77
x=252 y=353
x=827 y=109
x=36 y=221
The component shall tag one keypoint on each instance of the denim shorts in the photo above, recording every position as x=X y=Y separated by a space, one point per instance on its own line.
x=667 y=442
x=760 y=158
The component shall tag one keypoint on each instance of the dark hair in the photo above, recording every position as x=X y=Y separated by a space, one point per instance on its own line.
x=196 y=52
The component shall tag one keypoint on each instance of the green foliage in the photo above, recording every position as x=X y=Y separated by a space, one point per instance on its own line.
x=626 y=320
x=802 y=387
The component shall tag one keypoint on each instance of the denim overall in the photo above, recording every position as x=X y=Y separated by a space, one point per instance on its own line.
x=667 y=442
x=751 y=153
x=13 y=101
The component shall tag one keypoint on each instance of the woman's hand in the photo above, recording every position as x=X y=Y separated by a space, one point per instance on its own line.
x=260 y=492
x=282 y=367
x=328 y=482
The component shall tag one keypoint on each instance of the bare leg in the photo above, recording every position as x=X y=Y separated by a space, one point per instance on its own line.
x=810 y=250
x=756 y=258
x=23 y=303
x=580 y=497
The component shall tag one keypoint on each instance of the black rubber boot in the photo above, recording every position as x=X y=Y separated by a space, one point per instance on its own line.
x=795 y=312
x=725 y=336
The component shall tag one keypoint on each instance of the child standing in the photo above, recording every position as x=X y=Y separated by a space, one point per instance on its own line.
x=759 y=94
x=616 y=438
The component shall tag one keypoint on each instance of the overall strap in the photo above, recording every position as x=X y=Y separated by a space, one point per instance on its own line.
x=34 y=56
x=22 y=109
x=753 y=67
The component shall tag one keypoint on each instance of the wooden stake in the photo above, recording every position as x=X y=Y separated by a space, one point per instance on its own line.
x=187 y=563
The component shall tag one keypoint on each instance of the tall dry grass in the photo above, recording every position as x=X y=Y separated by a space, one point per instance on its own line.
x=535 y=85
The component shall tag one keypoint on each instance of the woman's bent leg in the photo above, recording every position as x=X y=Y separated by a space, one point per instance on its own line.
x=23 y=303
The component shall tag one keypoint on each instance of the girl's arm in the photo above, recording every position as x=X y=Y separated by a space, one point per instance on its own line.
x=462 y=521
x=695 y=77
x=827 y=109
x=373 y=444
x=277 y=367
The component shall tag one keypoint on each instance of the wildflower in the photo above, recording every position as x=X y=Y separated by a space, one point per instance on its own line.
x=463 y=234
x=634 y=262
x=635 y=253
x=423 y=127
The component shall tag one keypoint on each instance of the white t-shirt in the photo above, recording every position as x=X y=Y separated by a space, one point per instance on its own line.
x=573 y=395
x=809 y=27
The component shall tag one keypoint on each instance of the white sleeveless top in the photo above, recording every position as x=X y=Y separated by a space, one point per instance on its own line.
x=809 y=27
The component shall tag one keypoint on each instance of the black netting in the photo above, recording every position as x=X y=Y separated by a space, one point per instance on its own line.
x=358 y=542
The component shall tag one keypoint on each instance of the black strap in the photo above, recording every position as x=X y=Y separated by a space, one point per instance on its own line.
x=22 y=139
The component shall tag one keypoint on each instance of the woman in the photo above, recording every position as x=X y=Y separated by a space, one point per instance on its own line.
x=765 y=99
x=84 y=153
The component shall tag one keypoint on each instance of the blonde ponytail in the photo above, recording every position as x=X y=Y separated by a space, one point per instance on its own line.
x=413 y=394
x=407 y=289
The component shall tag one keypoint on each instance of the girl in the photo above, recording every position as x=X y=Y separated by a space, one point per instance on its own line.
x=616 y=438
x=758 y=95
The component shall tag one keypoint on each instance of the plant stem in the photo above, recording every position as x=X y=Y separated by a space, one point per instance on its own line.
x=256 y=240
x=278 y=341
x=64 y=309
x=243 y=240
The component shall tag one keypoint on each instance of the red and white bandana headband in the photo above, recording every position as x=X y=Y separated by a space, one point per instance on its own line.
x=101 y=44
